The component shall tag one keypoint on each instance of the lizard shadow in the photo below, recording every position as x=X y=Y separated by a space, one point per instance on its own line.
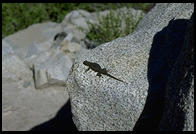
x=61 y=122
x=165 y=49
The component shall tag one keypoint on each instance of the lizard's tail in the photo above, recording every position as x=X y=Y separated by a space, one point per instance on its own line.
x=116 y=78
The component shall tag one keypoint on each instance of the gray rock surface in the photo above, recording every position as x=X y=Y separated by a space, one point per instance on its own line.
x=6 y=48
x=14 y=68
x=75 y=20
x=35 y=34
x=104 y=103
x=24 y=107
x=37 y=48
x=52 y=68
x=70 y=48
x=78 y=18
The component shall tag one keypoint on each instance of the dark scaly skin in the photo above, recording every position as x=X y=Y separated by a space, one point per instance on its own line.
x=97 y=68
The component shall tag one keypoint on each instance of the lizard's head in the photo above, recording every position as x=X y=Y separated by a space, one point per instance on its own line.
x=86 y=63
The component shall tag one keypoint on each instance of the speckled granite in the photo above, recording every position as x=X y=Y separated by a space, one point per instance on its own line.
x=104 y=103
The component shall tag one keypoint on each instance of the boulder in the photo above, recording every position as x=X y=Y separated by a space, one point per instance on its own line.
x=103 y=103
x=6 y=48
x=51 y=68
x=22 y=41
x=24 y=107
x=14 y=68
x=78 y=18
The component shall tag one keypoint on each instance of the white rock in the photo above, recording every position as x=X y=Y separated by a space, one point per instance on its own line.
x=70 y=47
x=37 y=33
x=6 y=48
x=77 y=18
x=52 y=69
x=14 y=68
x=24 y=107
x=77 y=34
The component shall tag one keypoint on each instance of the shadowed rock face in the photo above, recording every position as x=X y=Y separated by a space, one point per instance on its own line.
x=166 y=48
x=178 y=113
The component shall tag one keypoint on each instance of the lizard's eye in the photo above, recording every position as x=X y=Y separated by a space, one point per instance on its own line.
x=84 y=62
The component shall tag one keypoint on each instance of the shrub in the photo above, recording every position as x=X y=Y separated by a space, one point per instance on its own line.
x=17 y=16
x=110 y=27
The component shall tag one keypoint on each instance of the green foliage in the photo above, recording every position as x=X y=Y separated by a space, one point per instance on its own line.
x=17 y=16
x=110 y=27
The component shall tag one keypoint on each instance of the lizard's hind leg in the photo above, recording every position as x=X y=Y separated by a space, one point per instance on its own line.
x=104 y=70
x=99 y=74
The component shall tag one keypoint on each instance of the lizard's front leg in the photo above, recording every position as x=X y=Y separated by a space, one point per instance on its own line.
x=99 y=74
x=87 y=69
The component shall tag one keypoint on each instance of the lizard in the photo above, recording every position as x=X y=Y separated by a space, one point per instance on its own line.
x=97 y=68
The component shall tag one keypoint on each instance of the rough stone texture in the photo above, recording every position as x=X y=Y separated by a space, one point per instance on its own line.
x=74 y=20
x=37 y=53
x=78 y=18
x=160 y=17
x=104 y=103
x=70 y=46
x=14 y=68
x=24 y=107
x=53 y=69
x=178 y=113
x=35 y=34
x=6 y=48
x=37 y=48
x=77 y=34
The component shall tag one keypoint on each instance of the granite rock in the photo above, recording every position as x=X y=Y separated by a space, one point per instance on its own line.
x=102 y=103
